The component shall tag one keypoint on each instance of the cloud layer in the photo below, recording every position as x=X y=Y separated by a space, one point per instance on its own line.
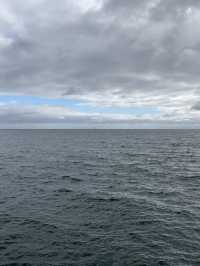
x=130 y=53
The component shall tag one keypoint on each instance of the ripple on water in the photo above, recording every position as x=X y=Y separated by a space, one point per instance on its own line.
x=100 y=198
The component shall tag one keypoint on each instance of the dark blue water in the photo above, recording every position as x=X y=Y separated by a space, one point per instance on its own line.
x=100 y=197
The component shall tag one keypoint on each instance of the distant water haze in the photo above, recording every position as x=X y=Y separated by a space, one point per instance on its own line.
x=99 y=197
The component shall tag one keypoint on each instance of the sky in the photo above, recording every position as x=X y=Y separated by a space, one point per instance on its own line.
x=100 y=64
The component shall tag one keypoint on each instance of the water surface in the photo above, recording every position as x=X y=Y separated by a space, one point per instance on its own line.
x=100 y=197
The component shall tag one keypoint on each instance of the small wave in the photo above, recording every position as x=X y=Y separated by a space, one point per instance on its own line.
x=72 y=179
x=63 y=190
x=190 y=177
x=39 y=225
x=65 y=176
x=162 y=193
x=16 y=264
x=146 y=222
x=104 y=199
x=163 y=263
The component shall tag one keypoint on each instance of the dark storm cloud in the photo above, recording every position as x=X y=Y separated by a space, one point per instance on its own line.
x=120 y=53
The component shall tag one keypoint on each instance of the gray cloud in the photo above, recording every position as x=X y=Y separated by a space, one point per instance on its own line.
x=15 y=115
x=121 y=53
x=36 y=114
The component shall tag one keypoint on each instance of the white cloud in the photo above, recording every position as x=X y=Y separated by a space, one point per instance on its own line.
x=5 y=42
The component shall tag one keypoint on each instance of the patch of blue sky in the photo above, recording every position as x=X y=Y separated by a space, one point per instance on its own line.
x=76 y=105
x=125 y=110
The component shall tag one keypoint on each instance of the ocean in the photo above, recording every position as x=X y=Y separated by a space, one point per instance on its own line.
x=100 y=197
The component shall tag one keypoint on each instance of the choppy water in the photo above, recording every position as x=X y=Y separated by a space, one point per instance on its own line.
x=80 y=197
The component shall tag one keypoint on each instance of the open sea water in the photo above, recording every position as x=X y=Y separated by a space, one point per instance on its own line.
x=100 y=197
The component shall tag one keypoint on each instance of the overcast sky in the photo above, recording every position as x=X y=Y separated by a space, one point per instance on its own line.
x=100 y=63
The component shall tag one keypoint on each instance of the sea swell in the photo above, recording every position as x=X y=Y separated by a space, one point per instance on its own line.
x=100 y=198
